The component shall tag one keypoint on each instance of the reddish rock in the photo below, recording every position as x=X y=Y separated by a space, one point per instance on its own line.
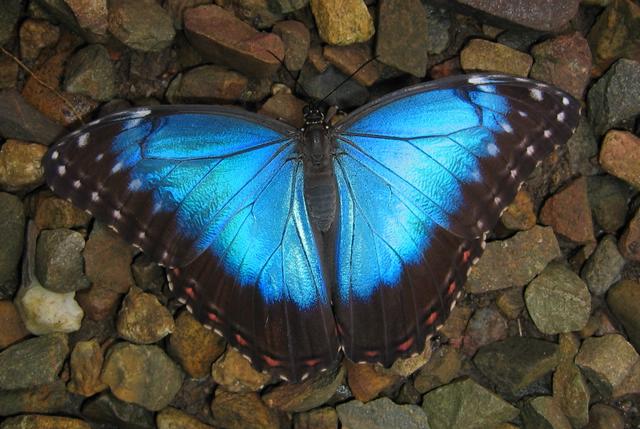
x=446 y=68
x=349 y=58
x=296 y=39
x=569 y=214
x=221 y=37
x=629 y=243
x=286 y=107
x=13 y=329
x=86 y=364
x=620 y=156
x=36 y=35
x=317 y=59
x=98 y=302
x=486 y=326
x=108 y=260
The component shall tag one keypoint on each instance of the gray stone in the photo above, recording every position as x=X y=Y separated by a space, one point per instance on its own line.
x=44 y=399
x=582 y=149
x=544 y=412
x=109 y=410
x=624 y=301
x=9 y=14
x=438 y=23
x=609 y=198
x=141 y=24
x=90 y=72
x=12 y=230
x=19 y=120
x=207 y=84
x=379 y=414
x=59 y=261
x=604 y=266
x=318 y=85
x=571 y=392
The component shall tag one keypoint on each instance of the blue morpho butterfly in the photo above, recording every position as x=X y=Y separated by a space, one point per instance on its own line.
x=300 y=244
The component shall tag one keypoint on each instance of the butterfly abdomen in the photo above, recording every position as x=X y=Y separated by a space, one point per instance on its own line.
x=320 y=194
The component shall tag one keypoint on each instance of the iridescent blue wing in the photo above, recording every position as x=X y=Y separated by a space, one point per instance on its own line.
x=423 y=174
x=215 y=194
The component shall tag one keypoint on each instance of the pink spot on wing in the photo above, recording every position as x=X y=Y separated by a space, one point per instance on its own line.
x=406 y=345
x=311 y=362
x=432 y=318
x=371 y=353
x=213 y=317
x=241 y=340
x=189 y=291
x=271 y=362
x=466 y=255
x=452 y=288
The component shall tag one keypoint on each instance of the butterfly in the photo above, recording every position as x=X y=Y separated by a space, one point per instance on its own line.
x=300 y=245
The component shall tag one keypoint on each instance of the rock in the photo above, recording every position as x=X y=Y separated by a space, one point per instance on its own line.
x=236 y=374
x=604 y=266
x=172 y=418
x=194 y=346
x=8 y=73
x=296 y=39
x=381 y=413
x=564 y=61
x=606 y=361
x=317 y=59
x=568 y=212
x=12 y=227
x=9 y=15
x=98 y=302
x=513 y=262
x=19 y=120
x=242 y=411
x=466 y=404
x=608 y=197
x=107 y=259
x=92 y=17
x=445 y=365
x=43 y=422
x=59 y=262
x=321 y=418
x=405 y=367
x=482 y=55
x=140 y=24
x=52 y=212
x=486 y=326
x=143 y=319
x=629 y=243
x=90 y=72
x=207 y=84
x=20 y=166
x=615 y=34
x=222 y=38
x=342 y=22
x=85 y=365
x=517 y=362
x=571 y=394
x=582 y=149
x=543 y=411
x=603 y=416
x=33 y=362
x=402 y=36
x=510 y=302
x=35 y=35
x=286 y=6
x=13 y=330
x=108 y=410
x=286 y=107
x=45 y=312
x=624 y=301
x=620 y=156
x=260 y=13
x=348 y=59
x=144 y=375
x=311 y=393
x=456 y=323
x=519 y=215
x=368 y=380
x=148 y=275
x=319 y=85
x=45 y=399
x=558 y=300
x=438 y=24
x=614 y=100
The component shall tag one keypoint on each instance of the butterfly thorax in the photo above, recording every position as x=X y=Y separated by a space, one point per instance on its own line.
x=320 y=187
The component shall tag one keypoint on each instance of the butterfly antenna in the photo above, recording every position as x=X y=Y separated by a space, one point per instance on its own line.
x=363 y=65
x=295 y=79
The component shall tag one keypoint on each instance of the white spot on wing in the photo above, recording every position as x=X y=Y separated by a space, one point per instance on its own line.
x=536 y=94
x=99 y=156
x=62 y=170
x=560 y=117
x=117 y=215
x=478 y=80
x=547 y=133
x=54 y=154
x=508 y=128
x=565 y=101
x=76 y=184
x=530 y=150
x=116 y=168
x=135 y=184
x=492 y=149
x=522 y=113
x=83 y=140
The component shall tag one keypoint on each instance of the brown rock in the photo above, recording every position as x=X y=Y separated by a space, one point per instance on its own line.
x=140 y=24
x=511 y=302
x=44 y=422
x=322 y=418
x=445 y=365
x=35 y=35
x=296 y=39
x=13 y=329
x=46 y=399
x=207 y=84
x=172 y=418
x=21 y=165
x=92 y=15
x=629 y=243
x=446 y=68
x=8 y=73
x=317 y=59
x=519 y=215
x=368 y=380
x=108 y=260
x=603 y=416
x=98 y=302
x=569 y=214
x=236 y=374
x=620 y=156
x=456 y=323
x=624 y=301
x=221 y=37
x=143 y=319
x=311 y=393
x=52 y=212
x=483 y=55
x=86 y=364
x=486 y=326
x=243 y=411
x=342 y=22
x=286 y=107
x=349 y=58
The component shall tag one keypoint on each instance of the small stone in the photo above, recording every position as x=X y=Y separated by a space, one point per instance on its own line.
x=603 y=416
x=8 y=73
x=582 y=149
x=90 y=72
x=456 y=323
x=368 y=380
x=207 y=84
x=221 y=37
x=405 y=367
x=172 y=418
x=13 y=330
x=86 y=364
x=301 y=397
x=52 y=213
x=379 y=414
x=558 y=300
x=438 y=24
x=350 y=58
x=176 y=9
x=98 y=302
x=606 y=361
x=12 y=227
x=620 y=156
x=317 y=59
x=569 y=214
x=445 y=365
x=515 y=261
x=242 y=411
x=140 y=24
x=43 y=422
x=106 y=409
x=319 y=85
x=144 y=375
x=604 y=266
x=486 y=326
x=143 y=319
x=148 y=275
x=630 y=241
x=20 y=165
x=260 y=13
x=519 y=215
x=342 y=22
x=511 y=302
x=321 y=418
x=46 y=399
x=608 y=197
x=565 y=62
x=194 y=398
x=543 y=411
x=466 y=404
x=287 y=6
x=624 y=301
x=35 y=35
x=296 y=39
x=614 y=100
x=92 y=16
x=236 y=374
x=19 y=120
x=107 y=259
x=9 y=15
x=33 y=362
x=59 y=262
x=45 y=312
x=286 y=107
x=517 y=362
x=482 y=55
x=194 y=346
x=571 y=393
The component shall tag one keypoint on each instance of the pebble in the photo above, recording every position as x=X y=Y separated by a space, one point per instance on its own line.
x=287 y=6
x=569 y=214
x=92 y=17
x=482 y=55
x=33 y=362
x=52 y=212
x=193 y=346
x=486 y=326
x=609 y=198
x=582 y=148
x=59 y=261
x=348 y=59
x=572 y=393
x=297 y=40
x=519 y=215
x=367 y=380
x=142 y=374
x=13 y=329
x=629 y=243
x=104 y=245
x=381 y=413
x=8 y=73
x=20 y=165
x=515 y=261
x=319 y=85
x=285 y=107
x=43 y=422
x=143 y=319
x=544 y=411
x=236 y=374
x=12 y=227
x=242 y=411
x=558 y=300
x=624 y=301
x=148 y=275
x=603 y=416
x=140 y=24
x=466 y=404
x=35 y=35
x=511 y=302
x=46 y=399
x=9 y=16
x=604 y=266
x=106 y=409
x=90 y=72
x=322 y=418
x=445 y=365
x=517 y=362
x=311 y=393
x=172 y=418
x=614 y=100
x=222 y=38
x=85 y=368
x=438 y=25
x=98 y=302
x=342 y=22
x=19 y=120
x=44 y=311
x=620 y=156
x=207 y=84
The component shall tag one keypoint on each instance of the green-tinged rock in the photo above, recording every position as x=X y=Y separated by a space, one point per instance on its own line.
x=59 y=262
x=608 y=197
x=379 y=414
x=604 y=266
x=9 y=15
x=558 y=300
x=172 y=418
x=603 y=416
x=90 y=72
x=544 y=412
x=321 y=418
x=624 y=301
x=296 y=38
x=571 y=393
x=466 y=404
x=207 y=84
x=342 y=22
x=12 y=227
x=517 y=362
x=620 y=156
x=109 y=410
x=140 y=24
x=236 y=374
x=20 y=120
x=43 y=422
x=515 y=261
x=21 y=166
x=86 y=365
x=583 y=149
x=630 y=240
x=482 y=55
x=143 y=319
x=45 y=399
x=444 y=366
x=33 y=362
x=242 y=411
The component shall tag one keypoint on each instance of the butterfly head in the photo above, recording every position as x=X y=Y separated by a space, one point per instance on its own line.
x=312 y=115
